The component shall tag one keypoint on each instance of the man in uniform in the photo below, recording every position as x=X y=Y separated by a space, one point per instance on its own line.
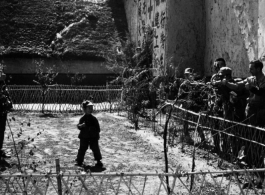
x=216 y=82
x=218 y=63
x=184 y=93
x=228 y=104
x=136 y=57
x=255 y=111
x=224 y=108
x=223 y=92
x=256 y=85
x=186 y=85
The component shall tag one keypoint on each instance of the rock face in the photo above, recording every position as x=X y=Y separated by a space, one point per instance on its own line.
x=68 y=29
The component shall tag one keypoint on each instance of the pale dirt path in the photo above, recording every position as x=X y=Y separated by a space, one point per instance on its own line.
x=123 y=149
x=120 y=145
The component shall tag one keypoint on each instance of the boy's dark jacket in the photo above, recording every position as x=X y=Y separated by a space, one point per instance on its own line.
x=91 y=130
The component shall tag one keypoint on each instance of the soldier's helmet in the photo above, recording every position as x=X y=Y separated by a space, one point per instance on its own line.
x=138 y=49
x=225 y=71
x=188 y=71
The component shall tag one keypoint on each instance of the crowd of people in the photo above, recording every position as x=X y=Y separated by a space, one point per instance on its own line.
x=236 y=99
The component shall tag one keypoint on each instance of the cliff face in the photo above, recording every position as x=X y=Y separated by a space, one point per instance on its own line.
x=62 y=28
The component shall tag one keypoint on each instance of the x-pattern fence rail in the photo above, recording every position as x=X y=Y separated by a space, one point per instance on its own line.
x=64 y=98
x=222 y=182
x=232 y=138
x=233 y=141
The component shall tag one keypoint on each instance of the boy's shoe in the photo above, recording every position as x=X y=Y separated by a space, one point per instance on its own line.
x=99 y=164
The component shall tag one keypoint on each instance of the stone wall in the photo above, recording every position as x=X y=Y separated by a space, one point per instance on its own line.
x=144 y=13
x=198 y=32
x=234 y=31
x=185 y=41
x=131 y=10
x=178 y=27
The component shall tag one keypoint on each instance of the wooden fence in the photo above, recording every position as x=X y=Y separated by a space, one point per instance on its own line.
x=80 y=182
x=64 y=98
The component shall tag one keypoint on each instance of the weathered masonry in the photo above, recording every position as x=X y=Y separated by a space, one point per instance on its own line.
x=192 y=33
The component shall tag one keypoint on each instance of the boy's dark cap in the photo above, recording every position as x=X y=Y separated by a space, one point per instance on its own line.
x=86 y=103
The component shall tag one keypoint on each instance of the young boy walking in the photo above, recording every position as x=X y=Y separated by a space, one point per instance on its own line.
x=89 y=135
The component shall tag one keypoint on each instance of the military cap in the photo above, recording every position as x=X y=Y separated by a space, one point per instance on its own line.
x=188 y=71
x=225 y=71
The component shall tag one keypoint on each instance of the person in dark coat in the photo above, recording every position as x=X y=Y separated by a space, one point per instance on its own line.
x=255 y=115
x=89 y=135
x=5 y=107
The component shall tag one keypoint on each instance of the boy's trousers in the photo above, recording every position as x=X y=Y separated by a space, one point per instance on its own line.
x=84 y=143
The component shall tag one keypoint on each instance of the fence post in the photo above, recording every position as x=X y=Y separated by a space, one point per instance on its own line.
x=193 y=154
x=153 y=119
x=59 y=182
x=108 y=96
x=59 y=99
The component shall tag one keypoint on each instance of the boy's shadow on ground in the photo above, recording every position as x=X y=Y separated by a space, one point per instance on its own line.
x=89 y=168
